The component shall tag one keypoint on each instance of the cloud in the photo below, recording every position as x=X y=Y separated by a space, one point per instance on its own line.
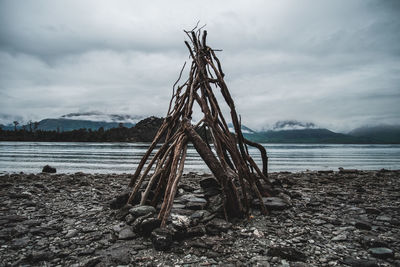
x=334 y=63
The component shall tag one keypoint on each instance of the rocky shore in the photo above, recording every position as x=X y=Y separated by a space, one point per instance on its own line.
x=345 y=218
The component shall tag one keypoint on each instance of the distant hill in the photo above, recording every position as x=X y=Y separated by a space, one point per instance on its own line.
x=383 y=133
x=245 y=129
x=289 y=131
x=143 y=131
x=305 y=136
x=86 y=120
x=69 y=125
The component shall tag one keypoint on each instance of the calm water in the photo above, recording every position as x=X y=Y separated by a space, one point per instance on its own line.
x=123 y=157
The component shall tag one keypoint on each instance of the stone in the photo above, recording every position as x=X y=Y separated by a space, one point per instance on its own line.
x=142 y=210
x=148 y=225
x=136 y=225
x=288 y=253
x=373 y=242
x=161 y=239
x=373 y=211
x=215 y=204
x=92 y=262
x=119 y=201
x=360 y=262
x=49 y=169
x=216 y=226
x=340 y=237
x=381 y=252
x=180 y=221
x=129 y=219
x=38 y=256
x=384 y=218
x=209 y=183
x=210 y=187
x=260 y=261
x=193 y=202
x=119 y=253
x=71 y=233
x=126 y=234
x=272 y=203
x=363 y=225
x=122 y=212
x=198 y=230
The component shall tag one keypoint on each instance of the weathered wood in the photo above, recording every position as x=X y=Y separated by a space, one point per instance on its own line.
x=231 y=164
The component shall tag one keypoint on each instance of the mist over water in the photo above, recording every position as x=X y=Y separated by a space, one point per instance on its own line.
x=30 y=157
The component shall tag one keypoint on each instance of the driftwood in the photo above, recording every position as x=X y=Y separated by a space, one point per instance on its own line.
x=226 y=155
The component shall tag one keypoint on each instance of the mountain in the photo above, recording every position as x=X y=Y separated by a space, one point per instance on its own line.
x=389 y=134
x=313 y=136
x=245 y=129
x=87 y=120
x=69 y=125
x=292 y=131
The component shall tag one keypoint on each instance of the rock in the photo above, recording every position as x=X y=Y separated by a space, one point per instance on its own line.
x=161 y=239
x=340 y=237
x=20 y=242
x=12 y=218
x=384 y=218
x=381 y=252
x=272 y=203
x=288 y=253
x=71 y=233
x=258 y=233
x=210 y=187
x=259 y=261
x=136 y=225
x=129 y=219
x=119 y=201
x=92 y=261
x=216 y=226
x=38 y=256
x=148 y=225
x=49 y=169
x=372 y=211
x=180 y=221
x=209 y=183
x=198 y=230
x=121 y=214
x=193 y=202
x=373 y=242
x=126 y=234
x=341 y=170
x=119 y=253
x=142 y=210
x=363 y=225
x=360 y=262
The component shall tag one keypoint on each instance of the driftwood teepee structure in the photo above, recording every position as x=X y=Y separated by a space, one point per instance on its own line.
x=227 y=156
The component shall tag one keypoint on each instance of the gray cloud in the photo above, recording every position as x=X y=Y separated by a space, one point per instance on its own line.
x=335 y=63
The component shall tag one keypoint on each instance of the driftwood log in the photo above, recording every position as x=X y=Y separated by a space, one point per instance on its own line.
x=226 y=155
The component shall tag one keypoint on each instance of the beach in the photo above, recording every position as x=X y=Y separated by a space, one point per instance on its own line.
x=325 y=218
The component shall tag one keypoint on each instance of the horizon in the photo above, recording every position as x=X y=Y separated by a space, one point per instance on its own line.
x=335 y=64
x=280 y=125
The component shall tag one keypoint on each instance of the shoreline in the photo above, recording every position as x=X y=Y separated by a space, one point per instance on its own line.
x=334 y=219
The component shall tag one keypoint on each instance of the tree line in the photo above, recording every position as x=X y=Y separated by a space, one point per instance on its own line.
x=143 y=131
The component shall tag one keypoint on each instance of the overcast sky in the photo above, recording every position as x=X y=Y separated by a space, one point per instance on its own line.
x=335 y=63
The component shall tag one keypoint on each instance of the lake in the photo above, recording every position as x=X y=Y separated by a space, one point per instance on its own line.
x=30 y=157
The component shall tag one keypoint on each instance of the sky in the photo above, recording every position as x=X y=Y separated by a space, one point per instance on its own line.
x=333 y=63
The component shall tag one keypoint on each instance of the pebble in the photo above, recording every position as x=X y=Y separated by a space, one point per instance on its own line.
x=67 y=220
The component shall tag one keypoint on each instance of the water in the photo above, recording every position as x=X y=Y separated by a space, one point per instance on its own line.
x=30 y=157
